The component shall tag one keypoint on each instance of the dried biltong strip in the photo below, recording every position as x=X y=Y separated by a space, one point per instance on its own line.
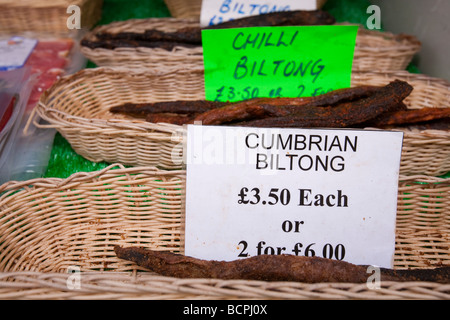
x=337 y=108
x=93 y=44
x=178 y=119
x=263 y=267
x=125 y=43
x=441 y=124
x=343 y=95
x=438 y=275
x=386 y=99
x=190 y=37
x=410 y=116
x=263 y=105
x=178 y=106
x=185 y=35
x=237 y=112
x=268 y=268
x=284 y=18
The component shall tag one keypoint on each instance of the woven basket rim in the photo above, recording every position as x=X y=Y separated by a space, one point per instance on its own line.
x=82 y=176
x=128 y=126
x=124 y=285
x=32 y=5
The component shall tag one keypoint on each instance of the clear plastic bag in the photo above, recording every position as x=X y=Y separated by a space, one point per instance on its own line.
x=25 y=149
x=15 y=88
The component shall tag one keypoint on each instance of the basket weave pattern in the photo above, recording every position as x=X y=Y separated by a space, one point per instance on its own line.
x=184 y=9
x=77 y=106
x=374 y=50
x=75 y=222
x=142 y=57
x=49 y=225
x=101 y=286
x=81 y=103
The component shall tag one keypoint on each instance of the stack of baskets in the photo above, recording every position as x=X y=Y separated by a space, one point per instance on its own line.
x=50 y=227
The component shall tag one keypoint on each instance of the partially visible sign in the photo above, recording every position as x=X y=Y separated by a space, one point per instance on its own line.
x=306 y=192
x=295 y=61
x=218 y=11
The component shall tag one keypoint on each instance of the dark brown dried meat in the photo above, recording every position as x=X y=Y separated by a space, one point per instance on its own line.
x=441 y=124
x=356 y=107
x=183 y=35
x=128 y=43
x=240 y=111
x=191 y=36
x=410 y=116
x=187 y=35
x=208 y=111
x=171 y=118
x=284 y=18
x=182 y=107
x=340 y=108
x=277 y=107
x=269 y=268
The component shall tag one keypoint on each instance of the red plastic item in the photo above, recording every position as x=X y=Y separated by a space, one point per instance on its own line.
x=48 y=60
x=9 y=109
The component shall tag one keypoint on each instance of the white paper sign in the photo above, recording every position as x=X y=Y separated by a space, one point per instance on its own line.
x=14 y=52
x=218 y=11
x=328 y=193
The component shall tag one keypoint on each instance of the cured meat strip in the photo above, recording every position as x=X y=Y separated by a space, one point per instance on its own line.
x=210 y=112
x=248 y=109
x=269 y=268
x=238 y=112
x=410 y=116
x=127 y=43
x=441 y=124
x=285 y=18
x=179 y=106
x=340 y=113
x=265 y=107
x=170 y=118
x=187 y=35
x=339 y=108
x=192 y=37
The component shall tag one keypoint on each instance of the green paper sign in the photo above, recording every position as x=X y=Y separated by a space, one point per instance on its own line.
x=295 y=61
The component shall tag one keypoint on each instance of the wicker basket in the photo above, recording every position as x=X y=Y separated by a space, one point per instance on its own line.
x=374 y=50
x=141 y=57
x=192 y=8
x=51 y=226
x=184 y=9
x=77 y=106
x=48 y=17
